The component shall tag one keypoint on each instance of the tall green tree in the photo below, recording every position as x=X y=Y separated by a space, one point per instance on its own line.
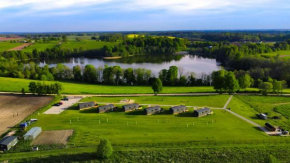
x=172 y=75
x=77 y=72
x=245 y=81
x=266 y=87
x=218 y=79
x=157 y=86
x=231 y=83
x=129 y=76
x=32 y=87
x=90 y=74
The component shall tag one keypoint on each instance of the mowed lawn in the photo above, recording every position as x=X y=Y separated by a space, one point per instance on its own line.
x=130 y=128
x=249 y=106
x=85 y=44
x=5 y=46
x=284 y=54
x=15 y=85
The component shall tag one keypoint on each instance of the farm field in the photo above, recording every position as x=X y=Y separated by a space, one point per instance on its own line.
x=40 y=46
x=249 y=106
x=121 y=128
x=53 y=137
x=285 y=54
x=85 y=44
x=5 y=46
x=13 y=109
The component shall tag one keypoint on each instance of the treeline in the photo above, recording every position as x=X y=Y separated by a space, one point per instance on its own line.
x=145 y=45
x=227 y=81
x=113 y=75
x=43 y=88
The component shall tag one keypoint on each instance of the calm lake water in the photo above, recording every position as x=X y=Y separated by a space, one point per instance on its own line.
x=190 y=63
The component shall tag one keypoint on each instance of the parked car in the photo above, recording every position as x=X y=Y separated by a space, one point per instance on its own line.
x=58 y=104
x=65 y=99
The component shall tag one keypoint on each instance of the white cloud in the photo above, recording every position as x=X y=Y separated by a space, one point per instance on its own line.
x=171 y=6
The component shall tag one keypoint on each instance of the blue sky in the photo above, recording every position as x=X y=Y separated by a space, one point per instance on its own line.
x=142 y=15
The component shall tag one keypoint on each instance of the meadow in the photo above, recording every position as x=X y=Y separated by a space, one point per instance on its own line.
x=249 y=106
x=5 y=46
x=16 y=84
x=40 y=46
x=284 y=54
x=86 y=44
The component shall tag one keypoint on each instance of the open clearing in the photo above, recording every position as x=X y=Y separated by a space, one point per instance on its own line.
x=13 y=109
x=53 y=137
x=20 y=47
x=10 y=38
x=5 y=46
x=63 y=107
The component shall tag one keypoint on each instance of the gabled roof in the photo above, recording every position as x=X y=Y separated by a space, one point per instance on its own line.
x=153 y=108
x=178 y=107
x=32 y=131
x=106 y=106
x=91 y=102
x=131 y=105
x=7 y=140
x=202 y=110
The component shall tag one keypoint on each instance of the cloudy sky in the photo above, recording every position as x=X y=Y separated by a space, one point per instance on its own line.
x=129 y=15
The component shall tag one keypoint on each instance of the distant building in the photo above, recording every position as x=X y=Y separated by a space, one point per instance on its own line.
x=271 y=127
x=105 y=108
x=86 y=105
x=8 y=142
x=178 y=109
x=152 y=110
x=202 y=112
x=32 y=133
x=130 y=107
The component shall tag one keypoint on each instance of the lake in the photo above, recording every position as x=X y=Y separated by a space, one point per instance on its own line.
x=190 y=63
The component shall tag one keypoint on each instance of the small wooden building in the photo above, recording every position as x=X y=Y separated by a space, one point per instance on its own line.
x=86 y=105
x=130 y=107
x=202 y=112
x=178 y=109
x=105 y=108
x=8 y=142
x=271 y=127
x=152 y=110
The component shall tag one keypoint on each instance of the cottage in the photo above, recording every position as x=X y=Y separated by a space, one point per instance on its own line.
x=271 y=127
x=202 y=112
x=86 y=105
x=105 y=108
x=178 y=109
x=8 y=142
x=32 y=133
x=262 y=116
x=152 y=110
x=130 y=107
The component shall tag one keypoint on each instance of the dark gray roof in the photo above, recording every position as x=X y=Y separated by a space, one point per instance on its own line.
x=153 y=108
x=178 y=107
x=7 y=140
x=91 y=102
x=106 y=106
x=131 y=105
x=202 y=110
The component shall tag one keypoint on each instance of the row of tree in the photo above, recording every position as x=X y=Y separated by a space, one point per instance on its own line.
x=230 y=82
x=43 y=88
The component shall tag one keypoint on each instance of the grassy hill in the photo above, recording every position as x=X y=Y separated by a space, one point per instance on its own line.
x=4 y=46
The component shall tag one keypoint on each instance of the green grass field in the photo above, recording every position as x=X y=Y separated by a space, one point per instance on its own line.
x=15 y=85
x=41 y=46
x=85 y=44
x=285 y=54
x=249 y=106
x=4 y=46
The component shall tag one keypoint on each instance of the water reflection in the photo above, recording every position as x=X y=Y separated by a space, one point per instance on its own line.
x=190 y=63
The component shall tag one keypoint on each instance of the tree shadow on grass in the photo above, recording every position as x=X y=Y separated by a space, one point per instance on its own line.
x=82 y=157
x=73 y=108
x=92 y=110
x=135 y=112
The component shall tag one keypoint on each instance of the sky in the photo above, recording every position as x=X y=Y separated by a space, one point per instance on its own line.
x=142 y=15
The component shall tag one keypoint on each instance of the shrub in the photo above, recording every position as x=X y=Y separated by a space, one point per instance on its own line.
x=105 y=149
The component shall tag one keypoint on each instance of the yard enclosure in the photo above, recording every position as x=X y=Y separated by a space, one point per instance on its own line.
x=15 y=108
